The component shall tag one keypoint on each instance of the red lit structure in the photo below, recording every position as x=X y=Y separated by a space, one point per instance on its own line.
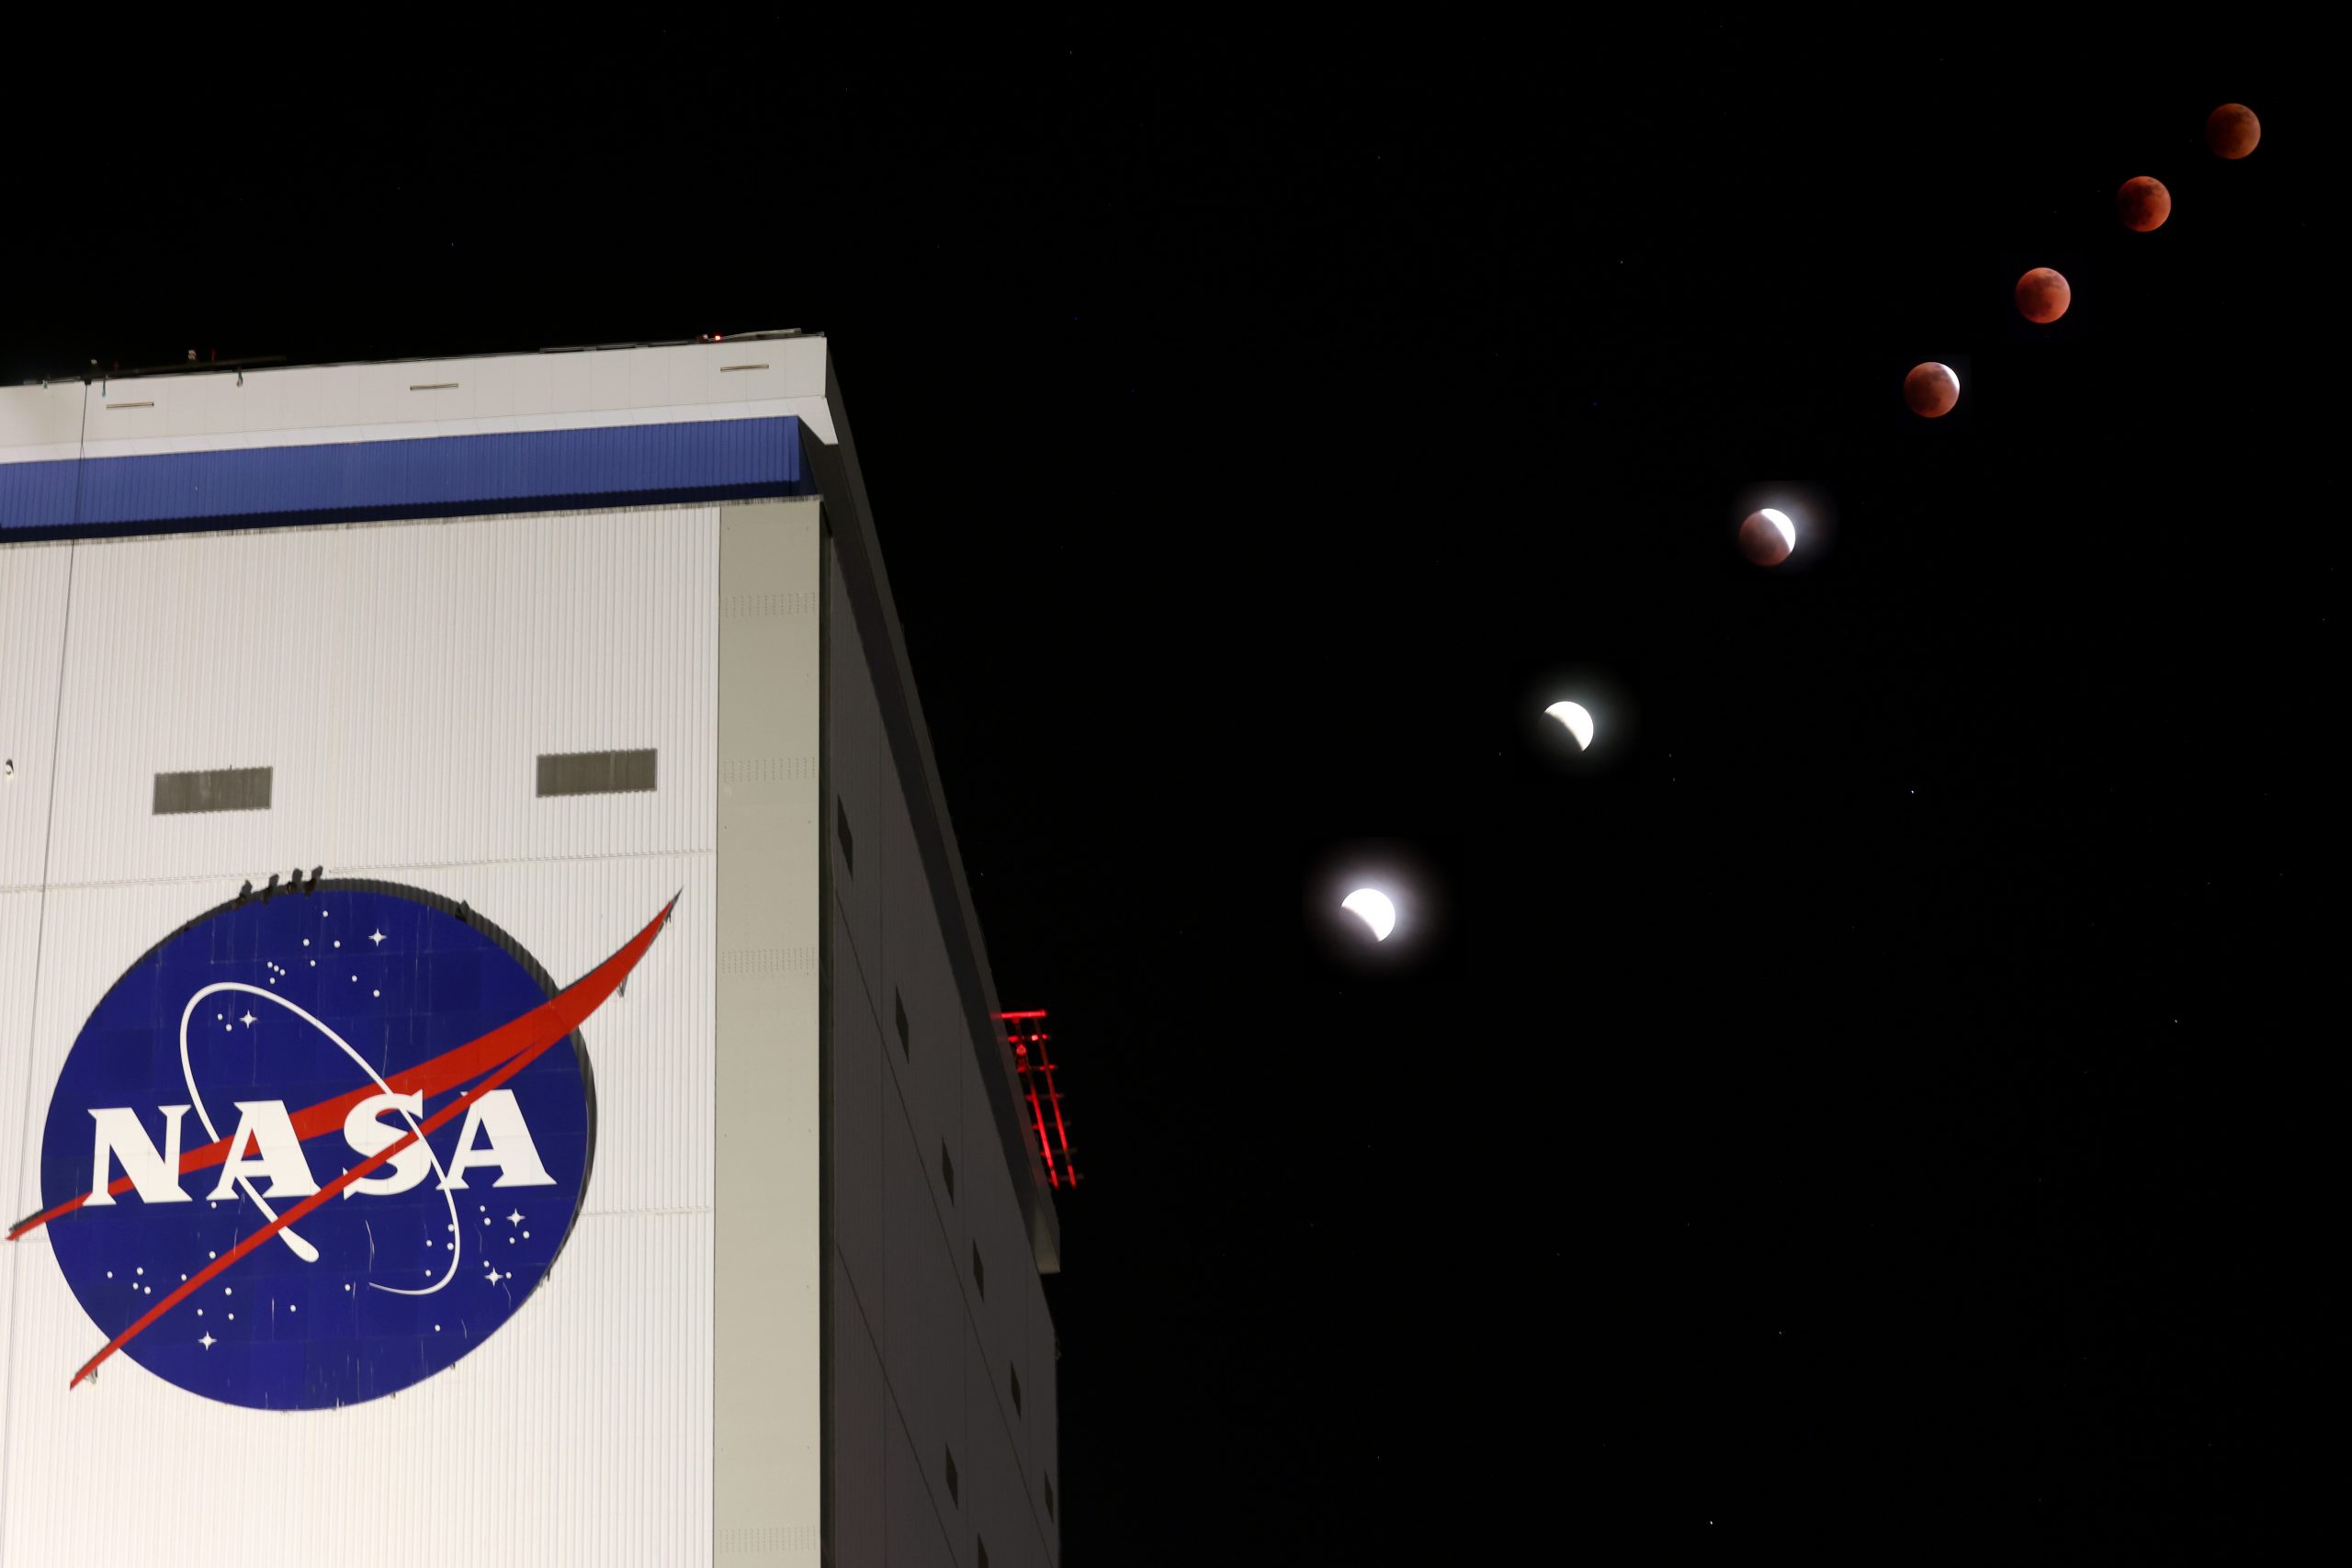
x=1033 y=1056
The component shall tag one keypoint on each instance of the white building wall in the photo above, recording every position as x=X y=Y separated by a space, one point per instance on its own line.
x=32 y=632
x=401 y=680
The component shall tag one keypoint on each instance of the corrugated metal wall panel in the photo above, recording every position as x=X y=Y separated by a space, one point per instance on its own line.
x=424 y=477
x=38 y=495
x=607 y=1433
x=19 y=945
x=402 y=680
x=32 y=634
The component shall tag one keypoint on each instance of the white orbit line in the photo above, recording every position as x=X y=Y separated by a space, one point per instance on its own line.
x=303 y=1248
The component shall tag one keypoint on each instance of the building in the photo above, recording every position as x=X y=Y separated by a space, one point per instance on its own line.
x=506 y=1063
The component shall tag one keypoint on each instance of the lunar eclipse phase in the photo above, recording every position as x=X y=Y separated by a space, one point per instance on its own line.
x=2042 y=295
x=2233 y=130
x=1932 y=391
x=1767 y=537
x=2143 y=204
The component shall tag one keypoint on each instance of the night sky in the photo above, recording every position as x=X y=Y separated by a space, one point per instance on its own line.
x=1864 y=1106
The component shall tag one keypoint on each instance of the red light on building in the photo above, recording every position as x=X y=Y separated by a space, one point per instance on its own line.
x=1032 y=1056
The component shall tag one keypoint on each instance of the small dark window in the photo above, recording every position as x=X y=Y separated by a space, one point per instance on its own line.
x=840 y=831
x=953 y=1495
x=1049 y=1497
x=596 y=773
x=984 y=1551
x=1016 y=1389
x=222 y=789
x=979 y=1275
x=947 y=1172
x=905 y=1040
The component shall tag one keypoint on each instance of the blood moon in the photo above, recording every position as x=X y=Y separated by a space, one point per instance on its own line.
x=1932 y=391
x=1766 y=536
x=2231 y=130
x=2042 y=295
x=2143 y=204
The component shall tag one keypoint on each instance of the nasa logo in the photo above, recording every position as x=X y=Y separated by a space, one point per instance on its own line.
x=312 y=1150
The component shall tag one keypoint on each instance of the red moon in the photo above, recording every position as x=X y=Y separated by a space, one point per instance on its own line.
x=2042 y=295
x=1761 y=541
x=2231 y=130
x=2143 y=204
x=1932 y=391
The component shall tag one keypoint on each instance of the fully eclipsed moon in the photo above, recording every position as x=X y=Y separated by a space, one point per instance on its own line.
x=2231 y=130
x=1577 y=722
x=1932 y=391
x=2143 y=203
x=2042 y=295
x=1767 y=537
x=1373 y=909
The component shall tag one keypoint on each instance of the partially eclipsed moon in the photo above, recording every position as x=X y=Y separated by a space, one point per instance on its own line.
x=1932 y=391
x=1578 y=722
x=1768 y=537
x=1373 y=909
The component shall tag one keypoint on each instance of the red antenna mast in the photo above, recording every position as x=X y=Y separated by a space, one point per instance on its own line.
x=1033 y=1056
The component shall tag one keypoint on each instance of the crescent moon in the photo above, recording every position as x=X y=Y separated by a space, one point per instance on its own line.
x=1373 y=909
x=1578 y=722
x=1788 y=530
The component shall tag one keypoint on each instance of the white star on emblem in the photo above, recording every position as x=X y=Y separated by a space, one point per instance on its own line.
x=516 y=1218
x=248 y=1020
x=494 y=1276
x=377 y=939
x=208 y=1341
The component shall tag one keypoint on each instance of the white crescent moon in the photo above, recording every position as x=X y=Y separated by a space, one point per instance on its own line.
x=1372 y=907
x=1780 y=520
x=1579 y=722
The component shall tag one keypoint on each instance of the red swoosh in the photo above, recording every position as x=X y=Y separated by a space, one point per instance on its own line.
x=518 y=1043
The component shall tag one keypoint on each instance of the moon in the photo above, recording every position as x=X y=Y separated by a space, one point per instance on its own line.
x=2143 y=203
x=1932 y=391
x=2231 y=130
x=1577 y=721
x=2042 y=295
x=1768 y=537
x=1375 y=908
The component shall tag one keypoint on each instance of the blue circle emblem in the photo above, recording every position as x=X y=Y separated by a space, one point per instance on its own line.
x=250 y=1063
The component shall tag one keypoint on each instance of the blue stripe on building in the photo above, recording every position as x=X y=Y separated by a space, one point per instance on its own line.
x=439 y=475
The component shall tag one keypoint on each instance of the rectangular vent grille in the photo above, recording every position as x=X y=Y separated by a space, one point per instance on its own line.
x=596 y=772
x=218 y=789
x=769 y=960
x=737 y=606
x=768 y=769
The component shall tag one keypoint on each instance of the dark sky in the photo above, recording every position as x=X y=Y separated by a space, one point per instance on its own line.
x=1863 y=1105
